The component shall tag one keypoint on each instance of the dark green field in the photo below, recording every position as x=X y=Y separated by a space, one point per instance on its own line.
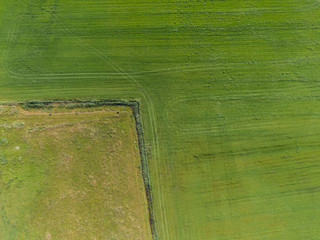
x=229 y=94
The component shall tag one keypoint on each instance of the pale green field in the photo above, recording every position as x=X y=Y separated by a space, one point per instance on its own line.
x=71 y=176
x=229 y=93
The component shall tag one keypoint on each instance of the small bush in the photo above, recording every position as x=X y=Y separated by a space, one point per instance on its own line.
x=3 y=141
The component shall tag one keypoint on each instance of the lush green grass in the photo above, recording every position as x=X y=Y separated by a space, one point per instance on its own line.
x=69 y=176
x=230 y=100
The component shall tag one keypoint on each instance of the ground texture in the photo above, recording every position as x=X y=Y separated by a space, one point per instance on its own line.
x=229 y=94
x=71 y=176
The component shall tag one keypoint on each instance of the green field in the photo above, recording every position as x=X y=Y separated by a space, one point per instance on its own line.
x=73 y=174
x=229 y=94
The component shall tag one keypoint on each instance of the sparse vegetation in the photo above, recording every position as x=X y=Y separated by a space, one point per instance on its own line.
x=79 y=177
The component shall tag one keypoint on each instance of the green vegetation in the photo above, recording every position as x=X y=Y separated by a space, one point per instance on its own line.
x=71 y=175
x=229 y=94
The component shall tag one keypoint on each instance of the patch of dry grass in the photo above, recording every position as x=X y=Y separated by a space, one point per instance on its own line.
x=71 y=176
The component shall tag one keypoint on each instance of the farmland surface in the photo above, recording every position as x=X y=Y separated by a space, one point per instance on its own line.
x=229 y=94
x=71 y=175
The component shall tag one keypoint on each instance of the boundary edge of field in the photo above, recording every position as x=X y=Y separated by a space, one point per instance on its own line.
x=135 y=106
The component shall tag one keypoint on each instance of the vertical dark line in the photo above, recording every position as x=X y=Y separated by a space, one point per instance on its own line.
x=145 y=167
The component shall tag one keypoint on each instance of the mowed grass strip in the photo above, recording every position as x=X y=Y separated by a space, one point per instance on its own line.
x=69 y=175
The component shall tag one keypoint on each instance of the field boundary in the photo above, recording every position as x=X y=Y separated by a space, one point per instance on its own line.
x=135 y=106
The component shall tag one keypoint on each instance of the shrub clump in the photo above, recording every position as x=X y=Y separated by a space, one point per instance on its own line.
x=3 y=141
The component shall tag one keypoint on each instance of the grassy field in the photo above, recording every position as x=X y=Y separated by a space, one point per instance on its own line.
x=71 y=176
x=229 y=94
